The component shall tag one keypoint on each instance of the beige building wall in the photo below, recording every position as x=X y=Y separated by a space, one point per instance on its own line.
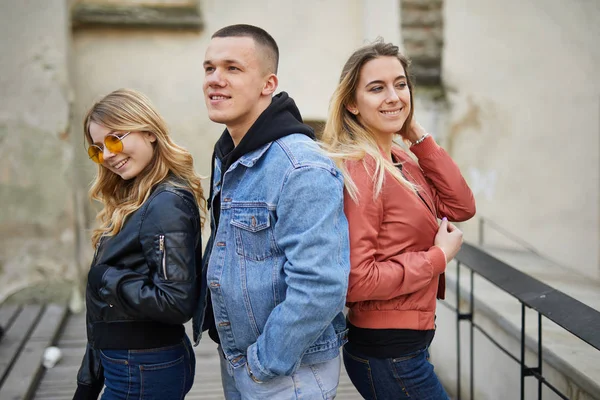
x=36 y=207
x=524 y=91
x=53 y=74
x=315 y=39
x=524 y=101
x=168 y=65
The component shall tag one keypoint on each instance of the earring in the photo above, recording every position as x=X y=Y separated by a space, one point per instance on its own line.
x=355 y=112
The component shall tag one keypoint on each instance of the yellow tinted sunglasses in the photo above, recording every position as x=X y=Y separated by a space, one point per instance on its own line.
x=112 y=142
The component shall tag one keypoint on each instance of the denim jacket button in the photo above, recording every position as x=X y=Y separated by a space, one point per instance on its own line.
x=224 y=323
x=214 y=284
x=227 y=200
x=221 y=244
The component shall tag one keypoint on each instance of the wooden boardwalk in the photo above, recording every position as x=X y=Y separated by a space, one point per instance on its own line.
x=29 y=330
x=32 y=328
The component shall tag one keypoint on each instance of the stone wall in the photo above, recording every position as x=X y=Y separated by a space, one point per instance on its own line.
x=166 y=65
x=36 y=213
x=522 y=82
x=54 y=74
x=422 y=34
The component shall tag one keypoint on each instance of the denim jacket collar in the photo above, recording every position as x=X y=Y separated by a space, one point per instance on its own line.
x=249 y=159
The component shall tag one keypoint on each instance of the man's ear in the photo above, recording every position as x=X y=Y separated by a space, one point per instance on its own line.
x=270 y=85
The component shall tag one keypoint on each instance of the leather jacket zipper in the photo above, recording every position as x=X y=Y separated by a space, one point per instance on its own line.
x=164 y=255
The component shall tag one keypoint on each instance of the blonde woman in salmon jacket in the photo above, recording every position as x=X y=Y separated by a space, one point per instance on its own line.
x=399 y=250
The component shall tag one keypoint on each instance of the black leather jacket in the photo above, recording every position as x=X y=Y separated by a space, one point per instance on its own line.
x=144 y=282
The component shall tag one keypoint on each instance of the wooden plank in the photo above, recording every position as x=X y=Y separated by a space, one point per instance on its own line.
x=27 y=370
x=15 y=338
x=51 y=322
x=7 y=314
x=59 y=383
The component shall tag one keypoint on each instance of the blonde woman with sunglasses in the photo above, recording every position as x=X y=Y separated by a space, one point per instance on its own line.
x=144 y=281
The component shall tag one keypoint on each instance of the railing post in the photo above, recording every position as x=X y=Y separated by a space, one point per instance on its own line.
x=540 y=356
x=471 y=311
x=522 y=351
x=458 y=394
x=459 y=317
x=481 y=224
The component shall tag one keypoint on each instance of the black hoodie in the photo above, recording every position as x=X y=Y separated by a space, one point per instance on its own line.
x=280 y=119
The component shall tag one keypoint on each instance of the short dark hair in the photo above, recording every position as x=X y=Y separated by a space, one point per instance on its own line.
x=259 y=35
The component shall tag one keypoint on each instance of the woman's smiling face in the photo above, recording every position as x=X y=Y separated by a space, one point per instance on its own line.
x=136 y=155
x=382 y=99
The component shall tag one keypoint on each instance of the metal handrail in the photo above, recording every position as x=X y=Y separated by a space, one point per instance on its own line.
x=572 y=315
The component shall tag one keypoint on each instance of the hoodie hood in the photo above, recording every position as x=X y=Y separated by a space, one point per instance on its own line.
x=280 y=119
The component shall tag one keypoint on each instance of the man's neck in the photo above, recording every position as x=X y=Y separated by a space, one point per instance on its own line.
x=238 y=131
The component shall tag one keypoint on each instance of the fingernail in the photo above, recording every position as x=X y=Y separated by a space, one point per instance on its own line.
x=444 y=219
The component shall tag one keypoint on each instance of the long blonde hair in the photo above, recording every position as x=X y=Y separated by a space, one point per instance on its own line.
x=128 y=110
x=345 y=137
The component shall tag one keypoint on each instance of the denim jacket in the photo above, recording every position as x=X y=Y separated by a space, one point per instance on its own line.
x=278 y=264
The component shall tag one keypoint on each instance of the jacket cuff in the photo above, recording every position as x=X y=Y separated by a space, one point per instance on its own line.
x=87 y=392
x=426 y=148
x=95 y=276
x=437 y=258
x=258 y=373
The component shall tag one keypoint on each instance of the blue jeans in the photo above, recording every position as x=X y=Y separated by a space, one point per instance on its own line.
x=163 y=373
x=407 y=377
x=316 y=381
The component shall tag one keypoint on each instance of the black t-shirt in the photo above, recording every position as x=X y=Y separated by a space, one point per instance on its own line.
x=388 y=343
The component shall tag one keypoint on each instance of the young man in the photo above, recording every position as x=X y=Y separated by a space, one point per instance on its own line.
x=278 y=258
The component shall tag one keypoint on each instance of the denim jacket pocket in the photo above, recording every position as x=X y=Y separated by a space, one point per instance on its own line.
x=253 y=234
